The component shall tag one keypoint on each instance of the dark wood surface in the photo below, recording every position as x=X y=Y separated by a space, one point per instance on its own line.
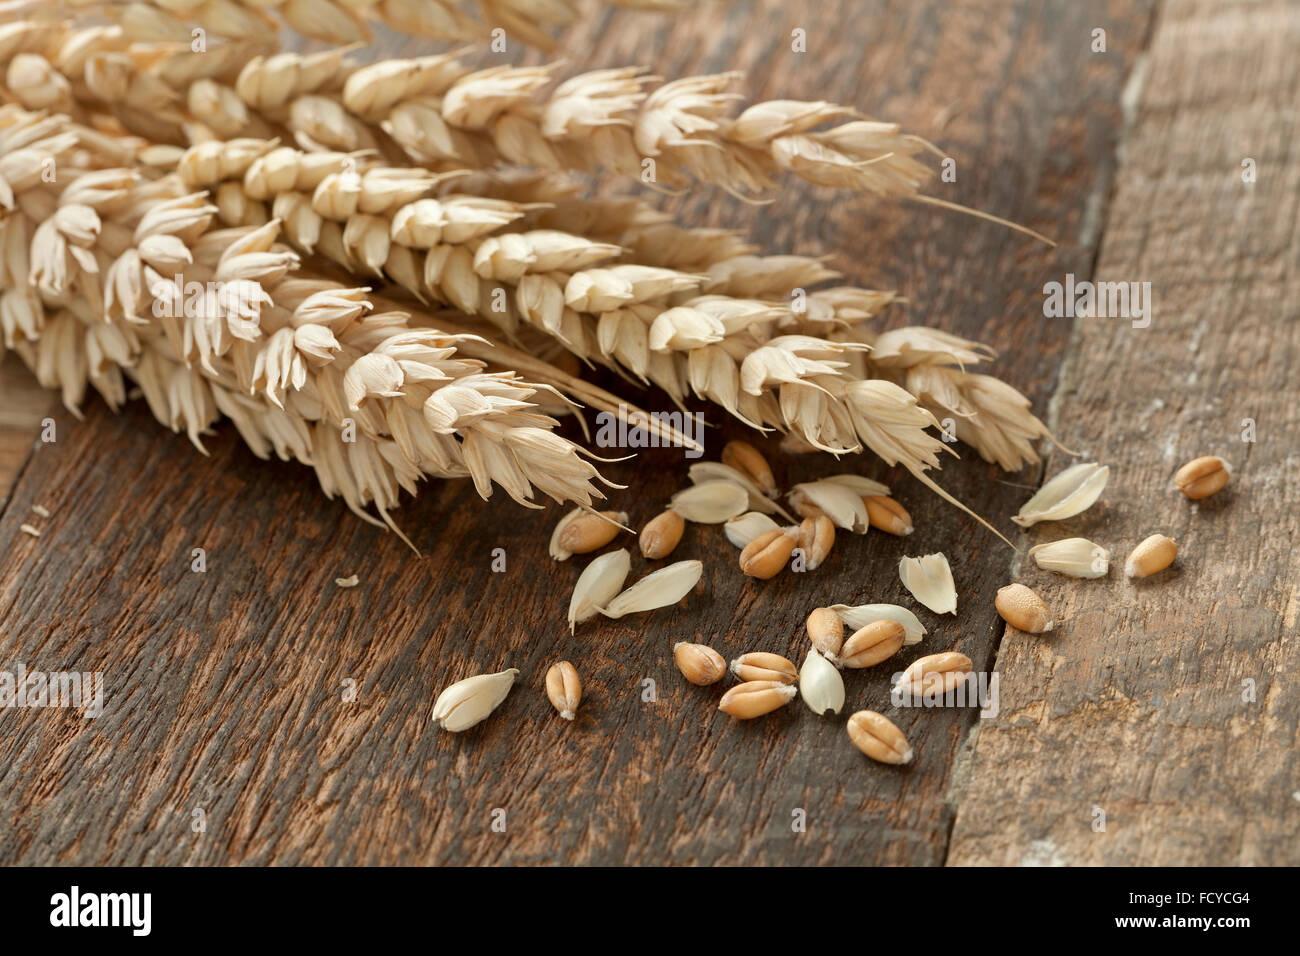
x=225 y=689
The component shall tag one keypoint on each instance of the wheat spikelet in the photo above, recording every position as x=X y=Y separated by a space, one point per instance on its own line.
x=440 y=111
x=95 y=269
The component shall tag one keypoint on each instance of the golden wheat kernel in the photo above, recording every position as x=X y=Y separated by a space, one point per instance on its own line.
x=935 y=673
x=590 y=531
x=1023 y=609
x=748 y=460
x=887 y=514
x=826 y=631
x=767 y=554
x=877 y=737
x=756 y=697
x=661 y=535
x=699 y=663
x=564 y=688
x=761 y=665
x=815 y=539
x=868 y=646
x=1151 y=556
x=1202 y=477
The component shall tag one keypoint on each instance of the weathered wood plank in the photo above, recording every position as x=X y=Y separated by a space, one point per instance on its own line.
x=224 y=688
x=1169 y=705
x=25 y=406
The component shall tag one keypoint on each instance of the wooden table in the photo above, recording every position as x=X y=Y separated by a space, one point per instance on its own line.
x=1158 y=725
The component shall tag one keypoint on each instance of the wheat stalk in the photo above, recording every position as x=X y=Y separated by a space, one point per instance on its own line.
x=440 y=111
x=646 y=317
x=293 y=359
x=449 y=249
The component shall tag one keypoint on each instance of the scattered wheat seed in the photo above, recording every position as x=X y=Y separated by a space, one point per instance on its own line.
x=766 y=555
x=658 y=589
x=1151 y=556
x=868 y=646
x=28 y=529
x=468 y=701
x=877 y=737
x=564 y=688
x=350 y=581
x=1023 y=609
x=705 y=471
x=743 y=529
x=661 y=535
x=935 y=674
x=581 y=532
x=856 y=618
x=1073 y=557
x=888 y=515
x=41 y=511
x=1202 y=477
x=816 y=537
x=836 y=500
x=598 y=584
x=747 y=459
x=699 y=663
x=820 y=684
x=711 y=502
x=930 y=581
x=756 y=698
x=826 y=631
x=762 y=665
x=1071 y=492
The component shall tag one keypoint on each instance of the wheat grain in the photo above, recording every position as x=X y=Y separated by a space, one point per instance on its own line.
x=859 y=617
x=581 y=532
x=1202 y=477
x=766 y=555
x=826 y=631
x=762 y=665
x=756 y=698
x=699 y=664
x=661 y=534
x=1150 y=557
x=564 y=689
x=1023 y=609
x=869 y=645
x=877 y=737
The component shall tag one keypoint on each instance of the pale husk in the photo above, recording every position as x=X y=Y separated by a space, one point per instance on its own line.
x=857 y=617
x=929 y=579
x=1071 y=492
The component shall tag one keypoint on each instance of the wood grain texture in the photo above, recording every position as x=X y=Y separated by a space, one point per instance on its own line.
x=25 y=406
x=1170 y=703
x=225 y=688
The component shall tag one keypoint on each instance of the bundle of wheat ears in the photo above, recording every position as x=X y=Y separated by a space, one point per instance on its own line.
x=376 y=269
